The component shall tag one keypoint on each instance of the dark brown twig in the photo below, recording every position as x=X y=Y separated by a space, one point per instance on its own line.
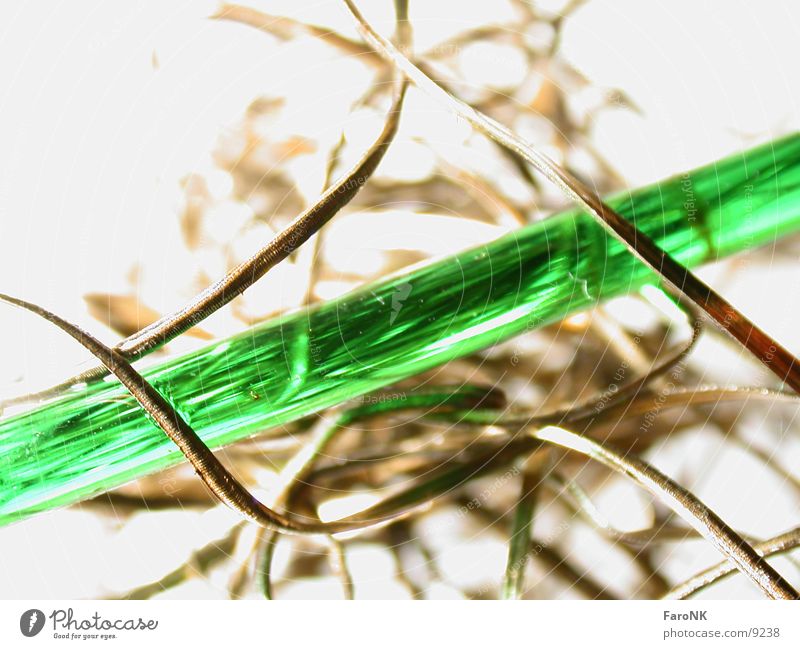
x=251 y=270
x=768 y=351
x=683 y=503
x=213 y=473
x=777 y=545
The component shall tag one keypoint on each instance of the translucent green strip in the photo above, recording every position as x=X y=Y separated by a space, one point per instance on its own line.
x=97 y=438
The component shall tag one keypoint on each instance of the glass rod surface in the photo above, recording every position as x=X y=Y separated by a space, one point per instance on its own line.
x=95 y=438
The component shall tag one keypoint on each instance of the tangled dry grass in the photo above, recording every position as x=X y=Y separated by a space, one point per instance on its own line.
x=574 y=509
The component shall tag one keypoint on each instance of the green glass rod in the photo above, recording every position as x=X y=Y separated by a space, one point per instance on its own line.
x=95 y=438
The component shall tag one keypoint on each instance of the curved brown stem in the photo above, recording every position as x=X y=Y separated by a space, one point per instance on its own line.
x=213 y=473
x=580 y=503
x=683 y=503
x=768 y=351
x=588 y=411
x=774 y=546
x=302 y=228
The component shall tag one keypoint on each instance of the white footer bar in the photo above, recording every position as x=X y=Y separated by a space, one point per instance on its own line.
x=229 y=625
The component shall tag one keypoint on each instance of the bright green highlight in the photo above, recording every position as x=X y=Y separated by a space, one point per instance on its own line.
x=97 y=438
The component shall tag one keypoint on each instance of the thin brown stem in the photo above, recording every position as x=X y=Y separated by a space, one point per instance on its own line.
x=683 y=503
x=580 y=503
x=558 y=566
x=768 y=351
x=777 y=545
x=212 y=472
x=201 y=561
x=285 y=28
x=339 y=566
x=594 y=408
x=302 y=228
